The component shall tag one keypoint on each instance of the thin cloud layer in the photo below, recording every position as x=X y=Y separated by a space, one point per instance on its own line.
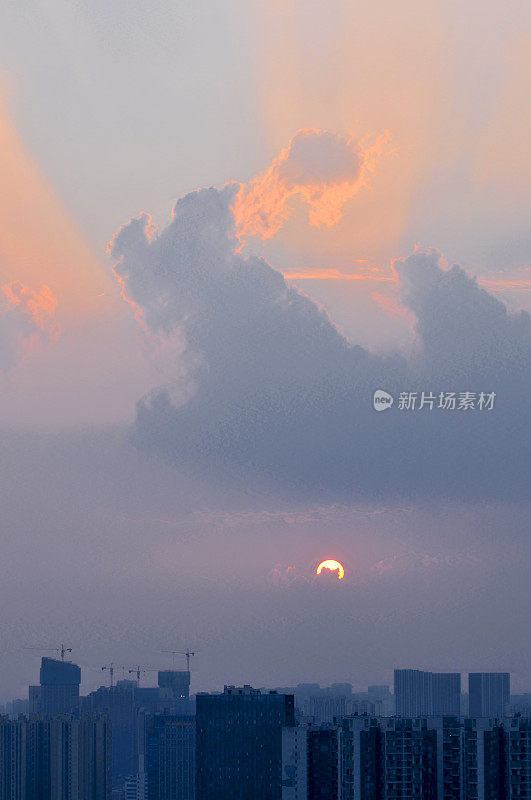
x=280 y=395
x=321 y=169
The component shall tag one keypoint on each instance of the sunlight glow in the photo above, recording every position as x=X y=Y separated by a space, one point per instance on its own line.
x=331 y=565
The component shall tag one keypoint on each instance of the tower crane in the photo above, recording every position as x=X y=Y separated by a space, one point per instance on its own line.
x=187 y=653
x=62 y=650
x=110 y=667
x=141 y=671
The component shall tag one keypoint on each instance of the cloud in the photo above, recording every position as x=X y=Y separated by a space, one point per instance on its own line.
x=27 y=320
x=285 y=574
x=280 y=396
x=415 y=562
x=321 y=169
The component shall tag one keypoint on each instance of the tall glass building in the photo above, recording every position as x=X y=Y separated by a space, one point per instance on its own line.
x=239 y=743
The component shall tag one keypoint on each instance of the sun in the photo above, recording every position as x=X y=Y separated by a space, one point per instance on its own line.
x=331 y=565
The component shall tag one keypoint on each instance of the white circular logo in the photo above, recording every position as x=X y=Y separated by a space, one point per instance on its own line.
x=382 y=400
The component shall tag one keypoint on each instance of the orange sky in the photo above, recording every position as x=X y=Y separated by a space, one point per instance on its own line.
x=455 y=110
x=39 y=243
x=360 y=71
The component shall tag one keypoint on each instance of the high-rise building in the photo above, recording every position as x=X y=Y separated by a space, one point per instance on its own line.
x=58 y=692
x=435 y=758
x=489 y=694
x=13 y=750
x=449 y=749
x=239 y=743
x=518 y=750
x=325 y=708
x=125 y=703
x=413 y=693
x=484 y=772
x=118 y=703
x=177 y=681
x=388 y=758
x=382 y=700
x=362 y=775
x=521 y=704
x=324 y=763
x=446 y=694
x=409 y=759
x=15 y=708
x=378 y=691
x=295 y=762
x=311 y=762
x=419 y=693
x=170 y=757
x=60 y=758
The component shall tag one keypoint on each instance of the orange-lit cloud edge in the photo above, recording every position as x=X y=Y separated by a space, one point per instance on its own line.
x=496 y=284
x=263 y=206
x=38 y=308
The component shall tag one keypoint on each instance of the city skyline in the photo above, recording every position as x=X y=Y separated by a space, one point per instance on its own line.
x=265 y=278
x=418 y=688
x=426 y=741
x=127 y=742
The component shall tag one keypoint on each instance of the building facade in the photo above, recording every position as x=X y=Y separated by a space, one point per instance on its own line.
x=58 y=692
x=239 y=743
x=60 y=758
x=324 y=767
x=419 y=693
x=435 y=758
x=489 y=694
x=295 y=762
x=170 y=757
x=518 y=757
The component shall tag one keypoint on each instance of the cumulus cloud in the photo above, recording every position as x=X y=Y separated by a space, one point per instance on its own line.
x=27 y=320
x=321 y=169
x=281 y=395
x=464 y=331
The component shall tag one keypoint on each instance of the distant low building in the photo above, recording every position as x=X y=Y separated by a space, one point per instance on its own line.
x=520 y=704
x=419 y=693
x=489 y=694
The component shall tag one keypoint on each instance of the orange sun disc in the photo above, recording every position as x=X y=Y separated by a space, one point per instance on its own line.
x=331 y=565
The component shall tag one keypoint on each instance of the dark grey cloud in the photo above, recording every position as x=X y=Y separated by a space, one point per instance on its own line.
x=280 y=395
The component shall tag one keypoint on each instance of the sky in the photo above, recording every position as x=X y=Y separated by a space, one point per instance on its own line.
x=224 y=225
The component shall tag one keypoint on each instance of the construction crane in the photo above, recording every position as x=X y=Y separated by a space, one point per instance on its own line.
x=62 y=650
x=187 y=653
x=110 y=667
x=141 y=671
